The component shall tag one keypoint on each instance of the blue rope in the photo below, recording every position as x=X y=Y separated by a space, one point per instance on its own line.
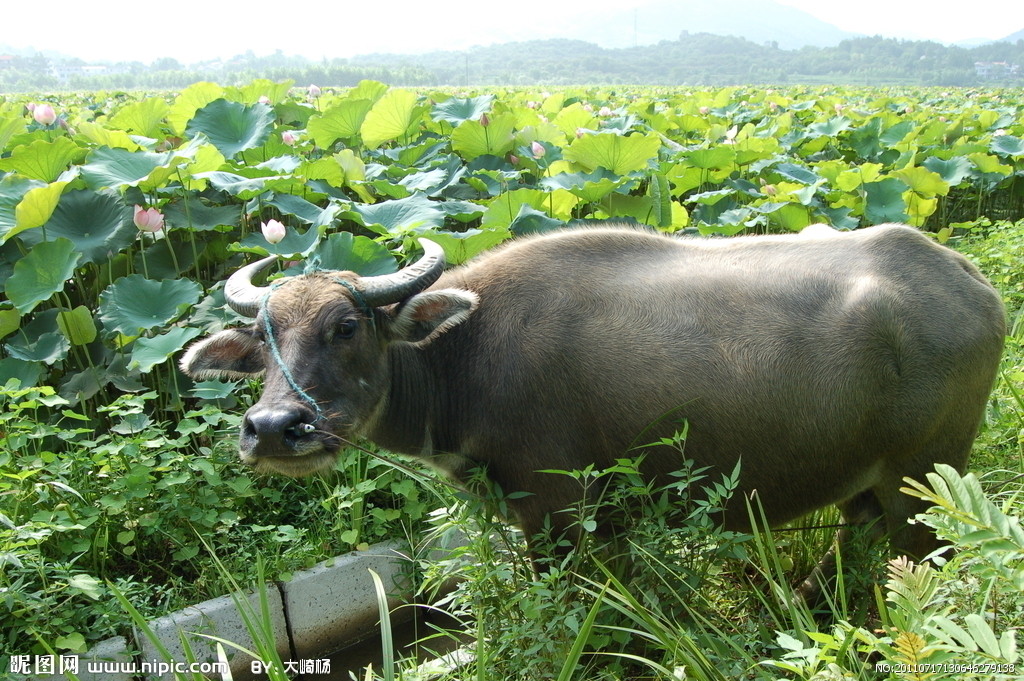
x=276 y=353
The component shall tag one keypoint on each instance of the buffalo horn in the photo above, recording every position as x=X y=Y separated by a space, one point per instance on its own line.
x=385 y=289
x=240 y=293
x=245 y=298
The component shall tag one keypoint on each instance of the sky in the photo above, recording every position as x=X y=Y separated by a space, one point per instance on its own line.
x=197 y=30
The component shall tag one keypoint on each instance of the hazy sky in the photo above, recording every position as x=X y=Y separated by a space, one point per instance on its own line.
x=194 y=30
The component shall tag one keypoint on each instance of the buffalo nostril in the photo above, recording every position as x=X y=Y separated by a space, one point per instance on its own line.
x=277 y=424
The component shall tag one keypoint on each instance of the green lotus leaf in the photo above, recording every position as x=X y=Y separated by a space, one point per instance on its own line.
x=261 y=87
x=590 y=187
x=191 y=213
x=41 y=273
x=144 y=117
x=884 y=201
x=339 y=122
x=389 y=118
x=461 y=246
x=232 y=127
x=456 y=110
x=616 y=153
x=157 y=262
x=118 y=168
x=42 y=159
x=532 y=221
x=40 y=340
x=77 y=325
x=36 y=207
x=401 y=215
x=368 y=89
x=1008 y=145
x=715 y=158
x=12 y=190
x=148 y=352
x=294 y=243
x=359 y=254
x=953 y=171
x=99 y=224
x=796 y=173
x=472 y=138
x=26 y=373
x=9 y=127
x=190 y=100
x=289 y=204
x=133 y=304
x=923 y=181
x=10 y=320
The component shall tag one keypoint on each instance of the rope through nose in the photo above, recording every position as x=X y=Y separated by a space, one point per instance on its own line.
x=268 y=329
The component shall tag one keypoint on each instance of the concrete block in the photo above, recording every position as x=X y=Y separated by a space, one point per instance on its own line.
x=218 y=617
x=335 y=603
x=108 y=660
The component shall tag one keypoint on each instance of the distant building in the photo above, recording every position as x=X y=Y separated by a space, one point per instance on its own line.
x=7 y=61
x=996 y=70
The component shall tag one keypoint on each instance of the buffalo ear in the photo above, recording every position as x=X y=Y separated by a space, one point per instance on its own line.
x=234 y=353
x=427 y=315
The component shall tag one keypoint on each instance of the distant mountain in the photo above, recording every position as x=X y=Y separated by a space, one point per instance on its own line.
x=760 y=21
x=1013 y=37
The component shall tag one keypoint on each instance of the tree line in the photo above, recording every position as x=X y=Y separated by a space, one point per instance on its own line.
x=693 y=59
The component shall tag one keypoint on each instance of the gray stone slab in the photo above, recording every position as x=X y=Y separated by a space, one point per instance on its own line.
x=219 y=617
x=335 y=603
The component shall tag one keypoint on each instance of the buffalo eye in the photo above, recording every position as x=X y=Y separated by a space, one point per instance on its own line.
x=345 y=329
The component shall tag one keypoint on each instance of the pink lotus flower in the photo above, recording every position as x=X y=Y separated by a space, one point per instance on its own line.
x=289 y=138
x=538 y=150
x=148 y=219
x=264 y=99
x=44 y=114
x=273 y=231
x=605 y=111
x=484 y=120
x=313 y=90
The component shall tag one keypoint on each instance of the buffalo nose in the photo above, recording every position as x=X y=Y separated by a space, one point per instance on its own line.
x=275 y=426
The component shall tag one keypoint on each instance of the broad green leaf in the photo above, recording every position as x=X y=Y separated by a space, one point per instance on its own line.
x=41 y=273
x=715 y=158
x=884 y=201
x=461 y=246
x=143 y=117
x=77 y=325
x=797 y=173
x=43 y=160
x=232 y=127
x=389 y=118
x=192 y=213
x=99 y=224
x=619 y=154
x=37 y=207
x=10 y=320
x=472 y=139
x=261 y=87
x=987 y=163
x=190 y=100
x=148 y=352
x=923 y=181
x=661 y=199
x=953 y=171
x=456 y=110
x=88 y=585
x=133 y=304
x=573 y=118
x=12 y=192
x=368 y=89
x=293 y=244
x=532 y=221
x=591 y=187
x=9 y=127
x=27 y=373
x=855 y=178
x=342 y=121
x=346 y=252
x=119 y=168
x=401 y=215
x=105 y=137
x=1008 y=145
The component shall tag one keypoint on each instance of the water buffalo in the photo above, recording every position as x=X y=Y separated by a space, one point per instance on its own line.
x=834 y=364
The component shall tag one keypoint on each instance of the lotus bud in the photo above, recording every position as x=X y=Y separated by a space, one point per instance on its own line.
x=264 y=99
x=537 y=149
x=44 y=114
x=313 y=90
x=289 y=138
x=704 y=111
x=148 y=219
x=273 y=231
x=484 y=120
x=605 y=111
x=31 y=106
x=588 y=107
x=513 y=159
